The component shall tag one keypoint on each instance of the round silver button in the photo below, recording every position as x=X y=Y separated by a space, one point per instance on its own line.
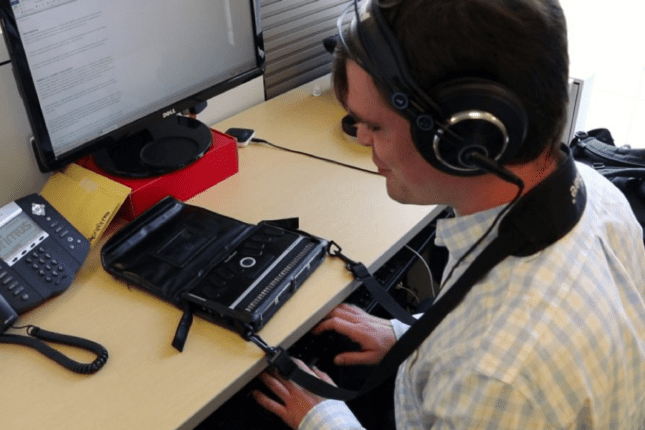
x=247 y=262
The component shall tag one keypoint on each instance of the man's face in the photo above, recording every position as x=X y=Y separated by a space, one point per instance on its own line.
x=410 y=179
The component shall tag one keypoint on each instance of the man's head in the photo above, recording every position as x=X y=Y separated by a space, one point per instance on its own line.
x=519 y=45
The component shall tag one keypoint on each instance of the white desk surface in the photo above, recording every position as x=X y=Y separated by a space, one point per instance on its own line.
x=146 y=384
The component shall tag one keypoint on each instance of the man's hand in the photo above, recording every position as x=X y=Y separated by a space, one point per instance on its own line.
x=375 y=335
x=296 y=401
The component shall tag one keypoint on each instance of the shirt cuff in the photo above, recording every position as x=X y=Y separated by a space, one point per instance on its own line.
x=330 y=414
x=400 y=328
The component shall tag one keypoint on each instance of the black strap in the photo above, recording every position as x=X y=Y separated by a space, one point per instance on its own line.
x=374 y=287
x=382 y=297
x=36 y=342
x=282 y=361
x=181 y=334
x=498 y=250
x=530 y=226
x=492 y=255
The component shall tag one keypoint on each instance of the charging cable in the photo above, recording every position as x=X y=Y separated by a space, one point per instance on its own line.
x=256 y=140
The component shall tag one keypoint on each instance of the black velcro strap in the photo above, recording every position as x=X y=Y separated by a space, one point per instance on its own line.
x=181 y=334
x=384 y=299
x=288 y=369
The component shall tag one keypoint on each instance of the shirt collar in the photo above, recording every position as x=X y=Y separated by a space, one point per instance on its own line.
x=459 y=233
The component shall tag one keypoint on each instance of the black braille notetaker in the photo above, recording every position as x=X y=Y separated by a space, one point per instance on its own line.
x=232 y=273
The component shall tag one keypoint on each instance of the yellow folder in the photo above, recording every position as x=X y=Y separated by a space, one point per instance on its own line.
x=86 y=199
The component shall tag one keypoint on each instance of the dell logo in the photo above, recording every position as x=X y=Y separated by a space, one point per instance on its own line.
x=168 y=113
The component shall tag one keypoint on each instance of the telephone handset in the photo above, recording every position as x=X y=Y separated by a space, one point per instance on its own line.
x=40 y=253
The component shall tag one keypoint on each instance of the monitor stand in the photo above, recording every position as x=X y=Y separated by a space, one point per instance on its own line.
x=164 y=147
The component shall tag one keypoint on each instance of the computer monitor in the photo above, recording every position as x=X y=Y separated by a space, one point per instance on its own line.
x=110 y=78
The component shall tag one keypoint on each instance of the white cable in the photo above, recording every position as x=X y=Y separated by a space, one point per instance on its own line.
x=432 y=283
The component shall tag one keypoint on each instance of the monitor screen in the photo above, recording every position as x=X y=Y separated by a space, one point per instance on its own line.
x=94 y=73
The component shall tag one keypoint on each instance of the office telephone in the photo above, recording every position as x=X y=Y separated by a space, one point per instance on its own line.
x=40 y=252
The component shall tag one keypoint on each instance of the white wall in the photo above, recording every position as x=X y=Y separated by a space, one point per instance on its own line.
x=19 y=174
x=606 y=40
x=233 y=101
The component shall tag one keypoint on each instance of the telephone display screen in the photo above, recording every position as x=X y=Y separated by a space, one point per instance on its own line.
x=17 y=234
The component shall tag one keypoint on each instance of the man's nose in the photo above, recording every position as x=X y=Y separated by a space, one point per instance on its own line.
x=364 y=135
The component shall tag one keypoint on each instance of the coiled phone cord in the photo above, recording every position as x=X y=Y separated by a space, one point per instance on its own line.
x=39 y=335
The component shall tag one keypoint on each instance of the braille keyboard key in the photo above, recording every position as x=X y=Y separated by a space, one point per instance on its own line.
x=224 y=273
x=235 y=267
x=216 y=280
x=253 y=245
x=251 y=252
x=262 y=238
x=211 y=292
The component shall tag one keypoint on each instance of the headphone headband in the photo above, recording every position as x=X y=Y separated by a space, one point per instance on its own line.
x=368 y=39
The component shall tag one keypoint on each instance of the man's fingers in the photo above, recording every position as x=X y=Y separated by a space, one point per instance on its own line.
x=322 y=375
x=269 y=404
x=341 y=325
x=354 y=358
x=274 y=384
x=348 y=312
x=351 y=309
x=294 y=401
x=314 y=371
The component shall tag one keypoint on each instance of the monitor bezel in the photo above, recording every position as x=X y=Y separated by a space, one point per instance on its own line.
x=41 y=142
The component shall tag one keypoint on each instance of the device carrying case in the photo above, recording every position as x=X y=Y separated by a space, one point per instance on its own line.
x=232 y=273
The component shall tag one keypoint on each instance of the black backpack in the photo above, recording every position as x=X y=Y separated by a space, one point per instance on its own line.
x=624 y=166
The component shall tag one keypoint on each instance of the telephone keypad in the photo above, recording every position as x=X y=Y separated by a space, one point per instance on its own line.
x=47 y=267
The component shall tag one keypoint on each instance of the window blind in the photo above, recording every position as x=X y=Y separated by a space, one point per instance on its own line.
x=294 y=31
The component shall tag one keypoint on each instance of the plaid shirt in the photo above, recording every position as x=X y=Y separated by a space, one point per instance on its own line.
x=553 y=340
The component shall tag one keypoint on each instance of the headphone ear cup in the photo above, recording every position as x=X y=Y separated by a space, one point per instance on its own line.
x=478 y=115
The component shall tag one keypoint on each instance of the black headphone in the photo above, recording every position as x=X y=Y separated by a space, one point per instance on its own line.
x=466 y=115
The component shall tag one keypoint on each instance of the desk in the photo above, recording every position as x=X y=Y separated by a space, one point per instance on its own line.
x=146 y=384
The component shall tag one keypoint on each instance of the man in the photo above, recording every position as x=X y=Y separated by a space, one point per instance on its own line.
x=549 y=340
